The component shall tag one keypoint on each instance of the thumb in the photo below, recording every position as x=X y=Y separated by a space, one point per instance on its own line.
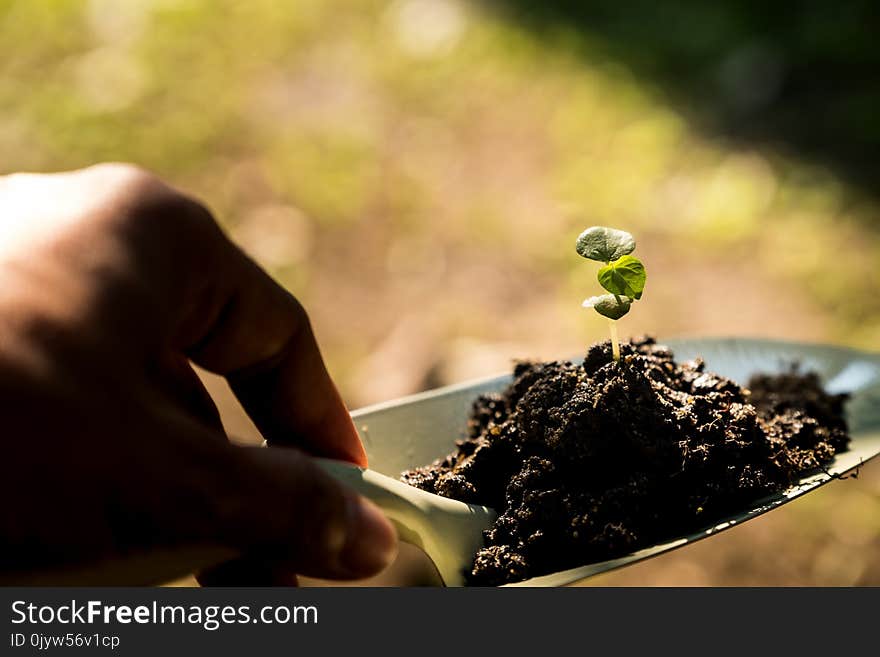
x=285 y=509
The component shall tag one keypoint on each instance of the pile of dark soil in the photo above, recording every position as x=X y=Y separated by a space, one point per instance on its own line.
x=588 y=462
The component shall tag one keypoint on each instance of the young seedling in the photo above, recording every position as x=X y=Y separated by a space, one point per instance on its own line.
x=623 y=275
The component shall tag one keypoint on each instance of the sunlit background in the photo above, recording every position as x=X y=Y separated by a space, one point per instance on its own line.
x=416 y=172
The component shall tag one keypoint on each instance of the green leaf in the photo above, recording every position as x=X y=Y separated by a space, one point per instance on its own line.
x=625 y=275
x=604 y=244
x=612 y=306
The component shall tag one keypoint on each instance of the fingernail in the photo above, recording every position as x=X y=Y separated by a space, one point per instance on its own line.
x=370 y=540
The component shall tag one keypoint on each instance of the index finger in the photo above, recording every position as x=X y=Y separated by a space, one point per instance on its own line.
x=243 y=325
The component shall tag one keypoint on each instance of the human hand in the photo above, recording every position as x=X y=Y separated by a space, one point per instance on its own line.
x=115 y=467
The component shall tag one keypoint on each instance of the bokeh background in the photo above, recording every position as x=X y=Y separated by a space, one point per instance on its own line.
x=416 y=171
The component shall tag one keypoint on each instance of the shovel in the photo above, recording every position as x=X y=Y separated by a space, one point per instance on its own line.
x=416 y=430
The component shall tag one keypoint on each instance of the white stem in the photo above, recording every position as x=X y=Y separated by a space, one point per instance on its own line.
x=615 y=343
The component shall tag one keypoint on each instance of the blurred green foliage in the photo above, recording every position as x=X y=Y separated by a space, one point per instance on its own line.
x=432 y=117
x=800 y=75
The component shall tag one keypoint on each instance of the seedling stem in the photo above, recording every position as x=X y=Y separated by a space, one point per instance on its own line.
x=615 y=343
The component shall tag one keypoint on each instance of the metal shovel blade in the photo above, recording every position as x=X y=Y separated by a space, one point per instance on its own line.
x=416 y=430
